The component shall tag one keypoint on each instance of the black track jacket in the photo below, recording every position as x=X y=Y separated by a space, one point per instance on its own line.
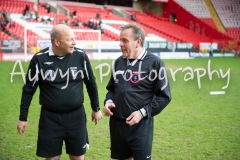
x=140 y=84
x=60 y=80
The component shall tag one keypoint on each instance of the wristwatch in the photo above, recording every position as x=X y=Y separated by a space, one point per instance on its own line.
x=96 y=109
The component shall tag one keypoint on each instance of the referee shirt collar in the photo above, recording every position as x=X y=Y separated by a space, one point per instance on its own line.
x=51 y=53
x=140 y=57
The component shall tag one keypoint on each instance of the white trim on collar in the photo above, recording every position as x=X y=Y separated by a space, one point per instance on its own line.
x=141 y=56
x=50 y=53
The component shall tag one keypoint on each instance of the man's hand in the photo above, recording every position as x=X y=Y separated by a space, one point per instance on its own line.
x=21 y=127
x=134 y=118
x=96 y=116
x=107 y=107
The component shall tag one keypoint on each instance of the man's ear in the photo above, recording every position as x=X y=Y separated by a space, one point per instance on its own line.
x=56 y=42
x=137 y=45
x=139 y=41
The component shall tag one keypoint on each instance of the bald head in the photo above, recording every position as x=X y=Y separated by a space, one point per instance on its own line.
x=58 y=31
x=63 y=40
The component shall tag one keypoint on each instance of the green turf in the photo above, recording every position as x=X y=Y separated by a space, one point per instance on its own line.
x=195 y=125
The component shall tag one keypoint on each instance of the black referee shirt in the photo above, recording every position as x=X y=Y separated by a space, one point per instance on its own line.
x=60 y=80
x=142 y=83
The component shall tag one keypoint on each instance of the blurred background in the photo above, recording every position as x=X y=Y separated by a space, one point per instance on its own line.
x=174 y=28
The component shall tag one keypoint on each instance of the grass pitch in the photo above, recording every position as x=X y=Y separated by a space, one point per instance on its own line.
x=194 y=126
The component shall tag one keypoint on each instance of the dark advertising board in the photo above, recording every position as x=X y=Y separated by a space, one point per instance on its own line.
x=12 y=46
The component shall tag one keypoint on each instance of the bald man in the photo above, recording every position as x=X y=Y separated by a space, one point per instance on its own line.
x=60 y=71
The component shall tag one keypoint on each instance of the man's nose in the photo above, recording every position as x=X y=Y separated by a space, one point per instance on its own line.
x=74 y=42
x=120 y=44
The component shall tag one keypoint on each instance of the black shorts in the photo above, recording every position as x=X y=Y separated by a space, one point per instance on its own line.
x=54 y=128
x=131 y=141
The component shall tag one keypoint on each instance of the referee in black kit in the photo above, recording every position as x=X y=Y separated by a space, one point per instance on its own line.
x=60 y=71
x=137 y=91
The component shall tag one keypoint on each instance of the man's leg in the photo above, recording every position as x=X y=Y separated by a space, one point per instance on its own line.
x=119 y=148
x=50 y=136
x=76 y=157
x=140 y=139
x=76 y=138
x=53 y=158
x=131 y=158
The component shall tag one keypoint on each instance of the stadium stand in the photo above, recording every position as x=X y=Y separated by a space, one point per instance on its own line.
x=88 y=11
x=198 y=9
x=228 y=12
x=209 y=22
x=173 y=32
x=155 y=16
x=15 y=8
x=5 y=36
x=105 y=18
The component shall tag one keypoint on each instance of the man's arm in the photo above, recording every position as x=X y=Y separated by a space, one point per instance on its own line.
x=110 y=93
x=162 y=93
x=28 y=91
x=91 y=84
x=108 y=102
x=111 y=85
x=92 y=90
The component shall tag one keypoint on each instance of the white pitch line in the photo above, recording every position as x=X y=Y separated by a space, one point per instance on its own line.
x=217 y=92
